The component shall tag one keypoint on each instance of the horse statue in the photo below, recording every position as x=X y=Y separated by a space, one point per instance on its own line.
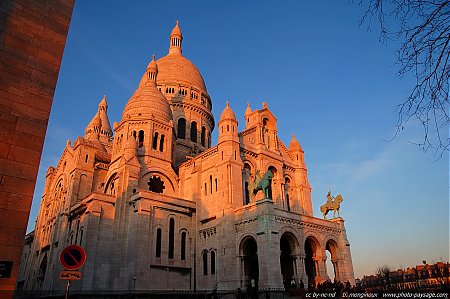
x=260 y=184
x=332 y=204
x=253 y=185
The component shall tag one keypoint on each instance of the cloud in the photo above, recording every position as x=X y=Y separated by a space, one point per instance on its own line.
x=362 y=169
x=378 y=165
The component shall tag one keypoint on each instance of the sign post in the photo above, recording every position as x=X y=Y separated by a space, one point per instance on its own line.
x=72 y=258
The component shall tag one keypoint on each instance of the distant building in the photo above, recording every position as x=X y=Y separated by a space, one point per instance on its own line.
x=423 y=277
x=158 y=208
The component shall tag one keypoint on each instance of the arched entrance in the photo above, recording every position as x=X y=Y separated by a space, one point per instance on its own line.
x=41 y=273
x=332 y=260
x=249 y=261
x=311 y=253
x=288 y=245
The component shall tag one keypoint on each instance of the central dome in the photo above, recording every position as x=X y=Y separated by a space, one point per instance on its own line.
x=175 y=68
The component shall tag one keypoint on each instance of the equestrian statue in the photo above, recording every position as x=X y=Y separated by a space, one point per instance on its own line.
x=333 y=203
x=260 y=183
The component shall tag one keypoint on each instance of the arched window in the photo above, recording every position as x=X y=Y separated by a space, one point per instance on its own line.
x=274 y=171
x=205 y=263
x=213 y=262
x=161 y=143
x=183 y=246
x=171 y=237
x=158 y=242
x=81 y=236
x=141 y=138
x=181 y=128
x=203 y=136
x=286 y=193
x=111 y=185
x=194 y=131
x=247 y=194
x=155 y=141
x=246 y=177
x=210 y=184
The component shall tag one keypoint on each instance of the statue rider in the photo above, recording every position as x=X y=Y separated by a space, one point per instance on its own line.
x=329 y=198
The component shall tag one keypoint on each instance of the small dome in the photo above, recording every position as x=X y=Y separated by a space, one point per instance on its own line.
x=295 y=145
x=152 y=66
x=147 y=100
x=248 y=110
x=176 y=30
x=227 y=113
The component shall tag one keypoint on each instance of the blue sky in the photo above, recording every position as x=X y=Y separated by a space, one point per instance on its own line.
x=328 y=81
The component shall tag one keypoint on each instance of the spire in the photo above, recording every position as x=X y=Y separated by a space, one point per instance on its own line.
x=103 y=103
x=93 y=128
x=99 y=127
x=176 y=39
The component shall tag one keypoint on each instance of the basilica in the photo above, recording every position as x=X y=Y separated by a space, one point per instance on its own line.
x=156 y=206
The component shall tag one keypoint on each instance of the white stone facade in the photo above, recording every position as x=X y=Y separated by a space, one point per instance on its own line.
x=157 y=208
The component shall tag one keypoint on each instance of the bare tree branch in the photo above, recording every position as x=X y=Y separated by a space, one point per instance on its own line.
x=423 y=28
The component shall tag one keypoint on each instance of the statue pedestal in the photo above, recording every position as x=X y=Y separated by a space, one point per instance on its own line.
x=337 y=220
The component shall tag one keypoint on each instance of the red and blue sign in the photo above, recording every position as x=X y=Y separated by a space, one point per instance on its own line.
x=72 y=257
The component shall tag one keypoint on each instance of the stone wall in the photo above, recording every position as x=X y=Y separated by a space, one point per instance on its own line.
x=32 y=39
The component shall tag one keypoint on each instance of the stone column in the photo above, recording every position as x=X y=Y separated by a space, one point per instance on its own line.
x=336 y=269
x=242 y=271
x=300 y=268
x=319 y=271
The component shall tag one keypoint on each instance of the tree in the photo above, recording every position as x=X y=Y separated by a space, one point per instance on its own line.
x=423 y=29
x=384 y=273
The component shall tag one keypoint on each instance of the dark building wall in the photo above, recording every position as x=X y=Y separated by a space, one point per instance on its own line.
x=32 y=39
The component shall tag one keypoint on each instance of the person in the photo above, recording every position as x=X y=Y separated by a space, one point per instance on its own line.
x=302 y=285
x=253 y=294
x=293 y=283
x=329 y=198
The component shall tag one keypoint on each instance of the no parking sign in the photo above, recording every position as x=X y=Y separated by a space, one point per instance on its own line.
x=72 y=257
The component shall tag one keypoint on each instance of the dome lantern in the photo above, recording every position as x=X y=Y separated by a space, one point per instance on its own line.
x=152 y=70
x=176 y=38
